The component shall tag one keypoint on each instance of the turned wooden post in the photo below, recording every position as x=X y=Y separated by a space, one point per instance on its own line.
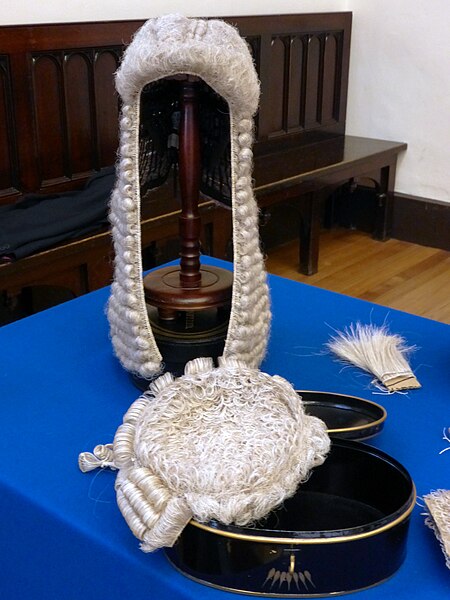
x=189 y=164
x=188 y=286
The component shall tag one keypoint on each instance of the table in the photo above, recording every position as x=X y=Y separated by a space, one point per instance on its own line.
x=62 y=536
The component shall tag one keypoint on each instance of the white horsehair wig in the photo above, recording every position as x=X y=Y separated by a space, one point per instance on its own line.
x=438 y=518
x=230 y=443
x=215 y=52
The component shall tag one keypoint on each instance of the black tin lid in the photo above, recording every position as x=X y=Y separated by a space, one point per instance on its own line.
x=346 y=417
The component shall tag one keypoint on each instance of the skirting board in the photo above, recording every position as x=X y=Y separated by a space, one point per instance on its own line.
x=417 y=220
x=421 y=221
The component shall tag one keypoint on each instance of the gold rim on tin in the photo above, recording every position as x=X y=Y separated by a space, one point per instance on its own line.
x=299 y=540
x=363 y=400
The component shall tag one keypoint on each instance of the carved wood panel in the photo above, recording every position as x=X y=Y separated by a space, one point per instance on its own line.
x=106 y=106
x=49 y=119
x=9 y=168
x=76 y=112
x=59 y=110
x=306 y=77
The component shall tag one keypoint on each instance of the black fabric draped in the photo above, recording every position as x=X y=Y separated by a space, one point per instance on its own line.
x=37 y=221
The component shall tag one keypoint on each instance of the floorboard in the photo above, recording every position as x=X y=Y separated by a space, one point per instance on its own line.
x=396 y=274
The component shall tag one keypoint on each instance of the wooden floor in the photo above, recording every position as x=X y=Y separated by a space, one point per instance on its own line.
x=397 y=274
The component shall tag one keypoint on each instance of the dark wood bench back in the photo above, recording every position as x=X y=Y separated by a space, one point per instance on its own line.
x=59 y=111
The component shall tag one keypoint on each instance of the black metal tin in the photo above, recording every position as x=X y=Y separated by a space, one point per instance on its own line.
x=344 y=530
x=191 y=335
x=347 y=417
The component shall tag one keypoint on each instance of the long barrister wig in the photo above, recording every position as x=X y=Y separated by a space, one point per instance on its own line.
x=213 y=51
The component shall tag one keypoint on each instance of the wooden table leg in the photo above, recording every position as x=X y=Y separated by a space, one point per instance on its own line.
x=383 y=217
x=309 y=233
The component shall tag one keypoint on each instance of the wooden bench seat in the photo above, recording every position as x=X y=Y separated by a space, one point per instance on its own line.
x=311 y=176
x=85 y=264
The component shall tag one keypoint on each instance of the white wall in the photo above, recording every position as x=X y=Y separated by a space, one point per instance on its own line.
x=15 y=12
x=400 y=86
x=399 y=72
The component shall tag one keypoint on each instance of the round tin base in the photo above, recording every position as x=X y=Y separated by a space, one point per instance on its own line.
x=344 y=530
x=274 y=595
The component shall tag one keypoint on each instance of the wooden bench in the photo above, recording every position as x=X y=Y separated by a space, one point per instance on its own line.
x=59 y=113
x=312 y=176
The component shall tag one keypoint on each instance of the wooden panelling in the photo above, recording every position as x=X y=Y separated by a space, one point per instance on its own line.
x=76 y=112
x=50 y=118
x=106 y=105
x=313 y=81
x=9 y=167
x=294 y=118
x=59 y=111
x=305 y=74
x=331 y=79
x=78 y=89
x=254 y=42
x=279 y=56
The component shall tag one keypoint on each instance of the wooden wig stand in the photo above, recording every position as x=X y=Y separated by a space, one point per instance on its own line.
x=189 y=304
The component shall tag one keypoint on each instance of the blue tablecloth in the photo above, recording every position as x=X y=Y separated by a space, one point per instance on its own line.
x=62 y=392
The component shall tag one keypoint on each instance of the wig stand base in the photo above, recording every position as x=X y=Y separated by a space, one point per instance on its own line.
x=165 y=289
x=189 y=335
